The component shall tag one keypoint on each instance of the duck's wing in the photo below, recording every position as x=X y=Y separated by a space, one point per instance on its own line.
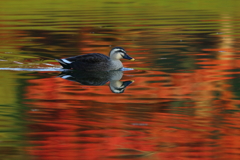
x=89 y=58
x=90 y=62
x=82 y=61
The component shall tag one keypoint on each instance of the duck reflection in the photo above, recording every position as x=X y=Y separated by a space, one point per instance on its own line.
x=98 y=78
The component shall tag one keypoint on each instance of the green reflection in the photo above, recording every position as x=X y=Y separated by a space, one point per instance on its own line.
x=13 y=125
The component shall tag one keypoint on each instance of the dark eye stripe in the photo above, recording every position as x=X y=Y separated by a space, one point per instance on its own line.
x=122 y=51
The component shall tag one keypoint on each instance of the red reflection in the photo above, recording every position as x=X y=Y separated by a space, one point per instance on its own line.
x=72 y=121
x=160 y=116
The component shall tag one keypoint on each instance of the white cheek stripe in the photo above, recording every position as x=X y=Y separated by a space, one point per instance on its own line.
x=66 y=61
x=119 y=56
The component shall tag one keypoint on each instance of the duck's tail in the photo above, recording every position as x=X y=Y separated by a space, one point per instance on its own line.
x=65 y=63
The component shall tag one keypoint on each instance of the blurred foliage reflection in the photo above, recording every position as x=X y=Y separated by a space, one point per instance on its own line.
x=184 y=103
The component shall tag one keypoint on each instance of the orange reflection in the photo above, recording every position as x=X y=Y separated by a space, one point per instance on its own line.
x=163 y=115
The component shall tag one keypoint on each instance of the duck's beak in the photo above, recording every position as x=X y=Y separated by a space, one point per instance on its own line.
x=126 y=83
x=132 y=59
x=128 y=57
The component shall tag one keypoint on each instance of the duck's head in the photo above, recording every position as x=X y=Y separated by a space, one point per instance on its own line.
x=119 y=53
x=119 y=86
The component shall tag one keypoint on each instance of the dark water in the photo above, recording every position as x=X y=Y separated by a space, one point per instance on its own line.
x=184 y=101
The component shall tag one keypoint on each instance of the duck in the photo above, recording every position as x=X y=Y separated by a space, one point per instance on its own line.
x=98 y=78
x=96 y=61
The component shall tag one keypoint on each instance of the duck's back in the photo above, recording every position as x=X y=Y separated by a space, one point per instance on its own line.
x=90 y=62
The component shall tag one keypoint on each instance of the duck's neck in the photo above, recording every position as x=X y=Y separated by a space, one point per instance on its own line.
x=116 y=64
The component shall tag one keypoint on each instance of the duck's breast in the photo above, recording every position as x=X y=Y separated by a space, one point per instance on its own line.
x=116 y=64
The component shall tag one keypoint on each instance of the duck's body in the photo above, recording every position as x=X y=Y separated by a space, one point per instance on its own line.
x=87 y=62
x=96 y=61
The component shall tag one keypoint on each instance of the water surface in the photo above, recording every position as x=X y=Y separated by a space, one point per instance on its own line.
x=181 y=101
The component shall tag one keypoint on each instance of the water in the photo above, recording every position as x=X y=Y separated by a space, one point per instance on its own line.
x=180 y=101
